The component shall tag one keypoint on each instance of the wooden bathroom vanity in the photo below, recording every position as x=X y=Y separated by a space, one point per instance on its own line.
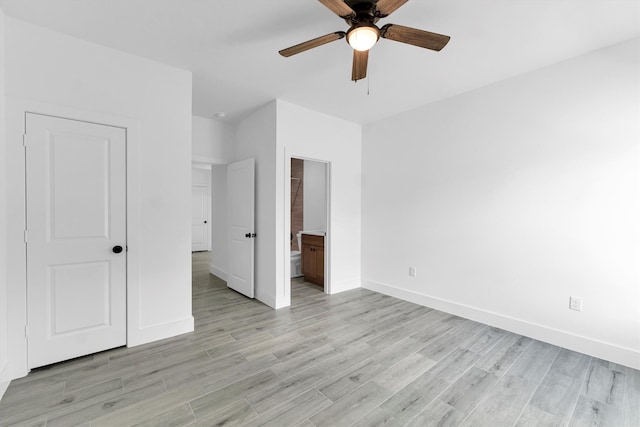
x=313 y=258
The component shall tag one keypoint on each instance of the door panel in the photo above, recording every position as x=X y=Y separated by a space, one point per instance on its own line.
x=70 y=215
x=200 y=218
x=68 y=284
x=76 y=214
x=308 y=262
x=241 y=204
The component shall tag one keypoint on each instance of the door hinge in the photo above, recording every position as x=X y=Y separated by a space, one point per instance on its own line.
x=26 y=331
x=24 y=140
x=25 y=236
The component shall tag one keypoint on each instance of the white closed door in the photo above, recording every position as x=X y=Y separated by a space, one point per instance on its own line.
x=76 y=238
x=200 y=234
x=241 y=234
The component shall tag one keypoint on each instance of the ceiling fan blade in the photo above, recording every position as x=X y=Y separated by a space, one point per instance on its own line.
x=414 y=36
x=339 y=7
x=387 y=7
x=359 y=69
x=310 y=44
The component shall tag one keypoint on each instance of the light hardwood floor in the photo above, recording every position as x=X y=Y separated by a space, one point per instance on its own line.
x=356 y=358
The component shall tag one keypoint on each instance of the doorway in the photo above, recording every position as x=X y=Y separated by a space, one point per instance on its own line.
x=308 y=226
x=216 y=253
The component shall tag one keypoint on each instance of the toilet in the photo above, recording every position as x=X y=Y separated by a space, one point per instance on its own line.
x=296 y=259
x=296 y=264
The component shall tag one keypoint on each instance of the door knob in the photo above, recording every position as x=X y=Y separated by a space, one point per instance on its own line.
x=205 y=222
x=117 y=249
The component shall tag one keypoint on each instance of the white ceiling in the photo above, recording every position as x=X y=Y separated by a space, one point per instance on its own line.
x=231 y=46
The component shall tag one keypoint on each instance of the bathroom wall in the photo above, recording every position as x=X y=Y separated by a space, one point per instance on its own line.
x=297 y=198
x=315 y=196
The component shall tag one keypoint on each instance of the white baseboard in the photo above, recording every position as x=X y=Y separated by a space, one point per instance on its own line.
x=600 y=349
x=282 y=302
x=344 y=285
x=269 y=300
x=160 y=332
x=4 y=383
x=218 y=272
x=5 y=378
x=3 y=388
x=273 y=302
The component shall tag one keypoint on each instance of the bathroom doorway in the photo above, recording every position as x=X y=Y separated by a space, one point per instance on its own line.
x=308 y=225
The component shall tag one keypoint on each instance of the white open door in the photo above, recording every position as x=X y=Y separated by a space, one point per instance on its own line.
x=200 y=234
x=76 y=238
x=241 y=234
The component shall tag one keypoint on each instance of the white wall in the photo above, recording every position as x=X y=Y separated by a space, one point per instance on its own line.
x=511 y=198
x=201 y=175
x=256 y=138
x=314 y=202
x=306 y=134
x=3 y=223
x=272 y=135
x=51 y=73
x=212 y=140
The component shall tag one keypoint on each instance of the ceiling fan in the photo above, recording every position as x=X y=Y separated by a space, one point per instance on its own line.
x=362 y=15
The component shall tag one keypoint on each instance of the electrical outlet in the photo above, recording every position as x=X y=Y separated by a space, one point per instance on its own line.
x=412 y=271
x=575 y=303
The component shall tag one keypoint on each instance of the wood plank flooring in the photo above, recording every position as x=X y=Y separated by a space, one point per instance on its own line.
x=354 y=359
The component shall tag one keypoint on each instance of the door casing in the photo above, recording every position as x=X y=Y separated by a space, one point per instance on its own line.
x=16 y=110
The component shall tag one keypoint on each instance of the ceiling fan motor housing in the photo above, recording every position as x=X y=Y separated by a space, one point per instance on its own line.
x=365 y=12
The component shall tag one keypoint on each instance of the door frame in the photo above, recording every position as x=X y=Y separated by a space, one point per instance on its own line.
x=16 y=111
x=287 y=223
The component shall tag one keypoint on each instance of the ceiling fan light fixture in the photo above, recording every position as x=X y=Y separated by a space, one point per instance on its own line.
x=363 y=34
x=363 y=37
